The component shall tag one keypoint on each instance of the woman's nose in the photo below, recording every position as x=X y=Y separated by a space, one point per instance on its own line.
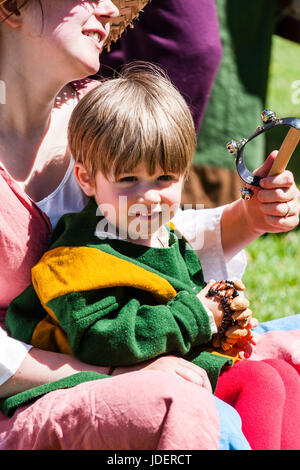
x=107 y=8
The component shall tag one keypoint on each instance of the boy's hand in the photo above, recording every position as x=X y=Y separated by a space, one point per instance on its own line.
x=275 y=206
x=239 y=335
x=211 y=303
x=240 y=304
x=244 y=344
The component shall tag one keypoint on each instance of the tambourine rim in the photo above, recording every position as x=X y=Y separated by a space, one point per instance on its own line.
x=241 y=167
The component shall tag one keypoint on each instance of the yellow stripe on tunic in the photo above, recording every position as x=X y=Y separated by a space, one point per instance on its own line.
x=73 y=269
x=64 y=270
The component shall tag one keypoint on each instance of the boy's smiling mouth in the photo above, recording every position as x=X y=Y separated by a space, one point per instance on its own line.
x=144 y=215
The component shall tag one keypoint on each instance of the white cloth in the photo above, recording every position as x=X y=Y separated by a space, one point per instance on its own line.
x=67 y=197
x=201 y=228
x=212 y=323
x=12 y=354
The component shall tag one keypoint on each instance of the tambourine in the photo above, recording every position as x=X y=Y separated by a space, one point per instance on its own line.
x=285 y=152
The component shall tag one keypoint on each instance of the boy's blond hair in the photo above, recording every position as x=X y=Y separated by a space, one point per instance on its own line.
x=137 y=117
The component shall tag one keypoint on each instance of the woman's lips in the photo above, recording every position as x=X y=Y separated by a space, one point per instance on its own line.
x=97 y=36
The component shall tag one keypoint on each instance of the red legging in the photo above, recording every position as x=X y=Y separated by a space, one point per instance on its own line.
x=266 y=394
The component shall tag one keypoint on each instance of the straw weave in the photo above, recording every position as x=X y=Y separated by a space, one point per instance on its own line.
x=129 y=9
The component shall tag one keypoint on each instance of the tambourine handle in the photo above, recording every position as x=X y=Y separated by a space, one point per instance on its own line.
x=285 y=152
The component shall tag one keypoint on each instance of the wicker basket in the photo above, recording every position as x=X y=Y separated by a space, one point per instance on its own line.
x=129 y=9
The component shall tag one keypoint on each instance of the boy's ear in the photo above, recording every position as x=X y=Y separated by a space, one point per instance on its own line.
x=84 y=179
x=10 y=13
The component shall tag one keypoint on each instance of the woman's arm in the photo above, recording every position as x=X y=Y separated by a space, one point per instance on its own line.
x=178 y=366
x=235 y=230
x=40 y=367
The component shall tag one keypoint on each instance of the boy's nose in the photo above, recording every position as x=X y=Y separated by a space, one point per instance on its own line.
x=150 y=196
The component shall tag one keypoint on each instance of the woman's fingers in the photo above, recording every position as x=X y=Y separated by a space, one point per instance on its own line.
x=190 y=372
x=282 y=224
x=199 y=377
x=184 y=369
x=268 y=196
x=282 y=209
x=282 y=180
x=265 y=168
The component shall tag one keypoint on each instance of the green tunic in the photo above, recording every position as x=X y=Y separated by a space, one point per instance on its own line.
x=113 y=303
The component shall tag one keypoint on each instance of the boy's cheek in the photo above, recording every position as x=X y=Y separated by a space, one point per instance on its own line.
x=172 y=196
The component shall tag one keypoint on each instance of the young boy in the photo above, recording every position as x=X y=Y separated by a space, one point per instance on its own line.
x=119 y=286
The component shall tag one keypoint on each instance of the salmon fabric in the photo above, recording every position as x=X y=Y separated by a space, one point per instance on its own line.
x=147 y=410
x=24 y=236
x=25 y=230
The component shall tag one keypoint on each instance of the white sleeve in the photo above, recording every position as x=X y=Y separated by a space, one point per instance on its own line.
x=202 y=229
x=211 y=319
x=12 y=354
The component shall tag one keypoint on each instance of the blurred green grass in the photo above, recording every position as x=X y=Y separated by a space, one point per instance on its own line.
x=284 y=71
x=283 y=93
x=272 y=277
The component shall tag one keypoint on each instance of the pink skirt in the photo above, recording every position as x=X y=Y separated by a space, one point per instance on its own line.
x=146 y=410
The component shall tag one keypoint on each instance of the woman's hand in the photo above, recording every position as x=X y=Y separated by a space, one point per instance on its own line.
x=173 y=365
x=275 y=206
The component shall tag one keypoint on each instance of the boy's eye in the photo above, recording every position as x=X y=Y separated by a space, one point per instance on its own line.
x=167 y=178
x=127 y=179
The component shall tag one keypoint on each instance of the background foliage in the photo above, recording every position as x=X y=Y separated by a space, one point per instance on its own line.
x=272 y=278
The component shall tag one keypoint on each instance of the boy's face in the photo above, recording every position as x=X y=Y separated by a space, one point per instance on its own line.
x=137 y=203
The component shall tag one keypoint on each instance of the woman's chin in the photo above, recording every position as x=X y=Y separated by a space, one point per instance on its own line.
x=87 y=68
x=91 y=69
